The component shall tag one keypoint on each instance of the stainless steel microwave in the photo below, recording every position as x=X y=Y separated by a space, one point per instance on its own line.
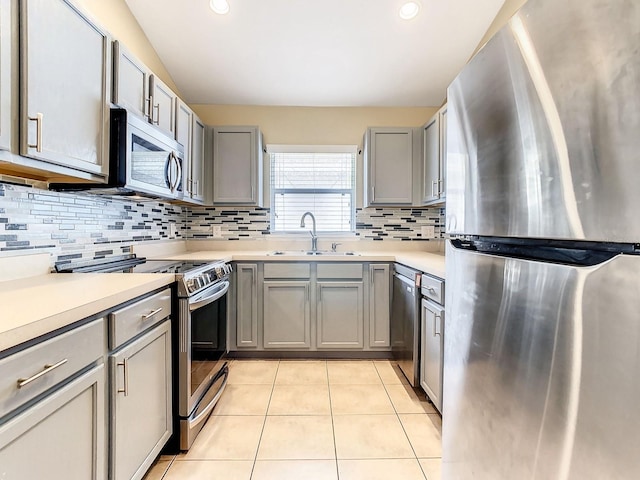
x=143 y=160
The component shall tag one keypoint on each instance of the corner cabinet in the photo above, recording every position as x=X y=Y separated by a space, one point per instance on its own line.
x=65 y=85
x=388 y=164
x=434 y=150
x=237 y=166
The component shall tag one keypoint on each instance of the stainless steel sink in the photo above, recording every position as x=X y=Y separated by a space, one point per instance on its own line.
x=311 y=253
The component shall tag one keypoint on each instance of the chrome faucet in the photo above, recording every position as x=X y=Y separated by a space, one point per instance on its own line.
x=314 y=237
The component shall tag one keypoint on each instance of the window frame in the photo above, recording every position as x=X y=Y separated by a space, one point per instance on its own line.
x=352 y=150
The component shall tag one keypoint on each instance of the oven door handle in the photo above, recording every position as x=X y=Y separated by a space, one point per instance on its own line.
x=201 y=302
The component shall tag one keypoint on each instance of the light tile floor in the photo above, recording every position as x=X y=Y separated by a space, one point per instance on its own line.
x=313 y=420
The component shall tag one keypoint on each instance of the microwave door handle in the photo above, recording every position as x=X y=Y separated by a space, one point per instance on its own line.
x=178 y=171
x=167 y=172
x=172 y=174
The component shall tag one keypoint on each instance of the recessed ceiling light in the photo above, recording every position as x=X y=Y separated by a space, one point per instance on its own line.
x=407 y=11
x=219 y=6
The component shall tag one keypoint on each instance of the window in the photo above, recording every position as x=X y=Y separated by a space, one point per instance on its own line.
x=320 y=180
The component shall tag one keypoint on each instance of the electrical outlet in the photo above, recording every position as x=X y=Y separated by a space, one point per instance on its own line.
x=428 y=231
x=216 y=231
x=173 y=229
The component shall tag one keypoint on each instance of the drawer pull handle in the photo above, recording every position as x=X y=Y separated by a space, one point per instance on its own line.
x=125 y=367
x=47 y=368
x=149 y=315
x=431 y=290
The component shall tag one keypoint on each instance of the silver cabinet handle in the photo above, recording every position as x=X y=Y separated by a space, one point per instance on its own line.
x=440 y=185
x=434 y=184
x=125 y=366
x=47 y=368
x=157 y=109
x=151 y=314
x=146 y=108
x=373 y=193
x=431 y=290
x=38 y=119
x=437 y=319
x=196 y=187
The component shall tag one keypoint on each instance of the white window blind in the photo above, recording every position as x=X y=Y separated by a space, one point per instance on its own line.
x=320 y=182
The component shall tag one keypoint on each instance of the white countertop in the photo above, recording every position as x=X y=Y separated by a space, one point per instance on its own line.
x=37 y=305
x=427 y=262
x=40 y=304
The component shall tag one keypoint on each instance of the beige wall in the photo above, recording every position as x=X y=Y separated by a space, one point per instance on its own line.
x=117 y=19
x=507 y=11
x=313 y=125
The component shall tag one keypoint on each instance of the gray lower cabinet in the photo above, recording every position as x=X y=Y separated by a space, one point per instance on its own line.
x=379 y=306
x=246 y=276
x=432 y=351
x=141 y=417
x=286 y=315
x=52 y=407
x=339 y=315
x=61 y=436
x=65 y=83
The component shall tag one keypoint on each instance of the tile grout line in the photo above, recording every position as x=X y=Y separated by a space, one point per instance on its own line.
x=401 y=424
x=333 y=427
x=264 y=423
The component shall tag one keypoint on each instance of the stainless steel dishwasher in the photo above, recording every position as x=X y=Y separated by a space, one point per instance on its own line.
x=405 y=321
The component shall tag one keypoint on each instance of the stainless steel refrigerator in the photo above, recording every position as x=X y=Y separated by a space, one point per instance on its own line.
x=542 y=340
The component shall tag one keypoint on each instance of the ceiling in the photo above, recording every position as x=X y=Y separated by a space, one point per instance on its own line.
x=314 y=52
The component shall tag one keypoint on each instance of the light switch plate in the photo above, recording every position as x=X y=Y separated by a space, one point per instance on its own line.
x=216 y=231
x=428 y=231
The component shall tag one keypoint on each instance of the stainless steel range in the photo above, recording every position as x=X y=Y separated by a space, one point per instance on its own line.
x=199 y=332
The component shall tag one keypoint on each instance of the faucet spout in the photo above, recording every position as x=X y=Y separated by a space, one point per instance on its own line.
x=314 y=237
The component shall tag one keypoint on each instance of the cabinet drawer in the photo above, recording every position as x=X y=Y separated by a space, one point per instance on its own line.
x=126 y=323
x=287 y=270
x=433 y=288
x=48 y=363
x=340 y=270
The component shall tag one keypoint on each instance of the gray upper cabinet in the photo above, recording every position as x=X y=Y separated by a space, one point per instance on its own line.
x=286 y=315
x=196 y=176
x=434 y=152
x=131 y=82
x=246 y=305
x=388 y=158
x=163 y=105
x=379 y=305
x=65 y=85
x=8 y=72
x=184 y=136
x=237 y=166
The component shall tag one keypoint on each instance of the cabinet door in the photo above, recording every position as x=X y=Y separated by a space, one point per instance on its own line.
x=340 y=315
x=184 y=125
x=197 y=160
x=431 y=160
x=379 y=306
x=432 y=351
x=64 y=84
x=443 y=152
x=7 y=72
x=141 y=417
x=131 y=82
x=163 y=105
x=62 y=436
x=390 y=166
x=246 y=305
x=237 y=165
x=286 y=315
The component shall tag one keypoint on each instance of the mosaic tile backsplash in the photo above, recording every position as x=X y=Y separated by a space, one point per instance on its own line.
x=74 y=227
x=245 y=223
